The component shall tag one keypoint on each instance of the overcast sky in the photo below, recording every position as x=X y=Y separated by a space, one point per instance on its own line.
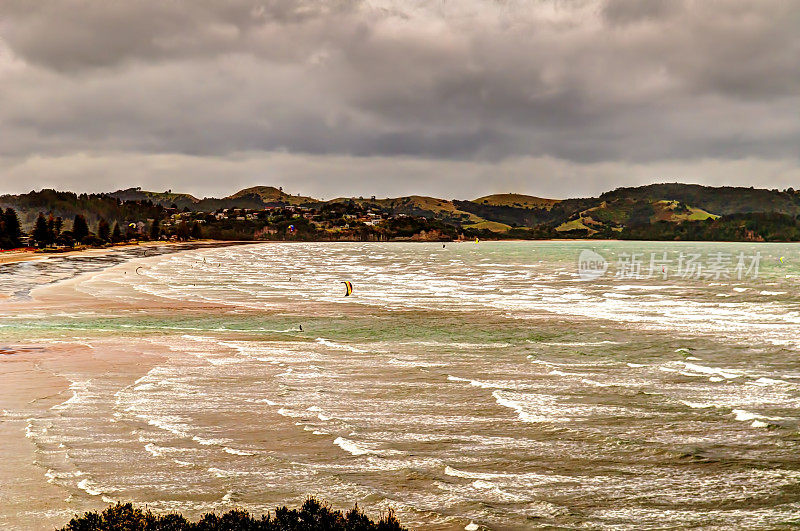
x=452 y=98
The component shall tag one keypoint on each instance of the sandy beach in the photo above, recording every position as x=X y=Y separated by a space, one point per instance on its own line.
x=33 y=384
x=10 y=257
x=36 y=382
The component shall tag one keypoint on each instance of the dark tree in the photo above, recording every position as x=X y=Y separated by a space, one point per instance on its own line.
x=103 y=230
x=80 y=229
x=51 y=228
x=196 y=233
x=40 y=232
x=116 y=234
x=182 y=231
x=155 y=229
x=11 y=228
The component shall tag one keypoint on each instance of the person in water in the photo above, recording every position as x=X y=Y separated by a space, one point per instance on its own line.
x=301 y=328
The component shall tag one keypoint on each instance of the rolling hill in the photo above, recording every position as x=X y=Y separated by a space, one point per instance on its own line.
x=607 y=215
x=269 y=195
x=516 y=200
x=165 y=199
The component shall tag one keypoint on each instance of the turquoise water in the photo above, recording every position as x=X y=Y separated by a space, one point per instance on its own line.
x=476 y=383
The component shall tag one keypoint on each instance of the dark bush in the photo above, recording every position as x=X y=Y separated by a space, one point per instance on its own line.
x=313 y=515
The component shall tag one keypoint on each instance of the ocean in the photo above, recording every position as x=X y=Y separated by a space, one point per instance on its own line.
x=497 y=385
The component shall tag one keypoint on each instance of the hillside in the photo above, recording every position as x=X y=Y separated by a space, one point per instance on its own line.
x=721 y=200
x=418 y=205
x=610 y=215
x=516 y=200
x=270 y=195
x=165 y=199
x=615 y=214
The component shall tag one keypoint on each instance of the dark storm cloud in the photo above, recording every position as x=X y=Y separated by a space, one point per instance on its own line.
x=476 y=80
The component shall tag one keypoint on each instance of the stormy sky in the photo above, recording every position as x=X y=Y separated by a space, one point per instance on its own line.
x=453 y=98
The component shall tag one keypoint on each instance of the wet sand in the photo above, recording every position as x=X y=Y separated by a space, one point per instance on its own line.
x=11 y=257
x=32 y=386
x=34 y=383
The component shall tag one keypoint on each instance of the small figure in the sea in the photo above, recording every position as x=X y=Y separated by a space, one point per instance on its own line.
x=301 y=328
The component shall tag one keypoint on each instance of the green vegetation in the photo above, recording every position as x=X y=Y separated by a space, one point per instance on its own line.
x=660 y=211
x=515 y=200
x=769 y=227
x=312 y=516
x=10 y=230
x=718 y=200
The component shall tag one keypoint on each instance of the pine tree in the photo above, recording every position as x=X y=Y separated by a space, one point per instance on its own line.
x=5 y=243
x=11 y=226
x=51 y=228
x=116 y=234
x=40 y=233
x=196 y=231
x=103 y=231
x=155 y=229
x=80 y=229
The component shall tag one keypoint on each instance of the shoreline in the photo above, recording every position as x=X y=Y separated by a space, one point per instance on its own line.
x=33 y=270
x=38 y=383
x=11 y=257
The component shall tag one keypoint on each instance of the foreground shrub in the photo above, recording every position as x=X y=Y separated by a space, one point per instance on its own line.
x=313 y=515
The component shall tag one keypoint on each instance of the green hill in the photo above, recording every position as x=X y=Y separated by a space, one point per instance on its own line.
x=165 y=199
x=718 y=200
x=516 y=200
x=269 y=195
x=657 y=205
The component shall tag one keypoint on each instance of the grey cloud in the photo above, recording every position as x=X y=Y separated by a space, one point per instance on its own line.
x=74 y=34
x=476 y=80
x=637 y=11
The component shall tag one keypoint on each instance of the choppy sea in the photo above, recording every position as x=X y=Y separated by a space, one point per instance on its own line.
x=464 y=385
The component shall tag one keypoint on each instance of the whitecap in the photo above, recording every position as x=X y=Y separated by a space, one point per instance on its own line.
x=351 y=447
x=338 y=346
x=209 y=442
x=154 y=450
x=234 y=451
x=522 y=414
x=89 y=487
x=702 y=369
x=476 y=383
x=696 y=405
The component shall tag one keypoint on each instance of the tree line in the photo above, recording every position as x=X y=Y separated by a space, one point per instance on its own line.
x=49 y=230
x=312 y=516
